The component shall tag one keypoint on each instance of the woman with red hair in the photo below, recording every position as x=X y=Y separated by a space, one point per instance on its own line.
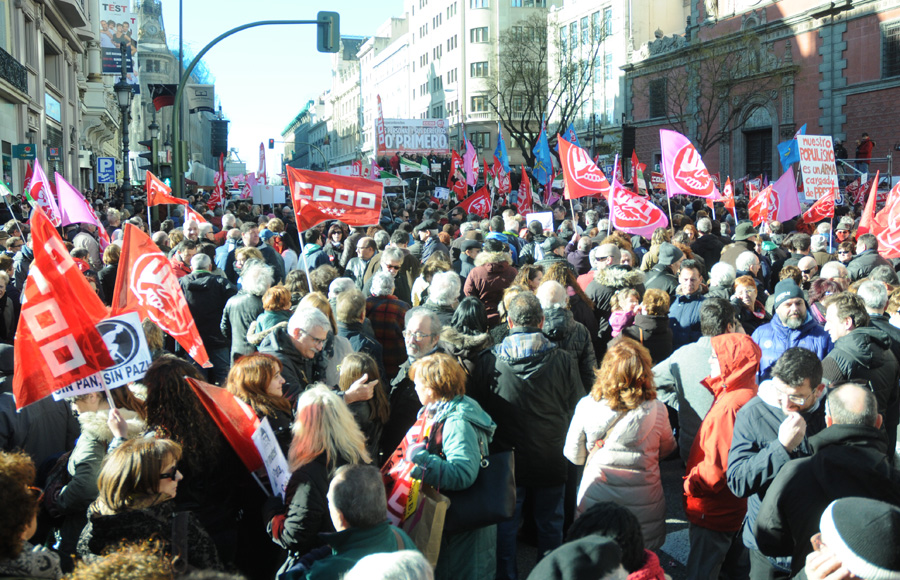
x=619 y=433
x=256 y=380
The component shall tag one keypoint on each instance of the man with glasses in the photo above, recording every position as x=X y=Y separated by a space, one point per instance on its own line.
x=366 y=249
x=809 y=270
x=863 y=352
x=769 y=431
x=401 y=267
x=13 y=245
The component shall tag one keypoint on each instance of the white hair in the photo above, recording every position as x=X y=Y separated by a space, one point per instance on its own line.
x=200 y=261
x=257 y=277
x=704 y=225
x=722 y=274
x=818 y=243
x=205 y=228
x=823 y=228
x=382 y=284
x=466 y=227
x=339 y=285
x=510 y=224
x=552 y=295
x=874 y=294
x=392 y=253
x=444 y=289
x=228 y=221
x=745 y=261
x=834 y=270
x=402 y=565
x=306 y=318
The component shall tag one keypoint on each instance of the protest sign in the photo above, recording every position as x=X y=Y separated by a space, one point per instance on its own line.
x=817 y=164
x=421 y=136
x=545 y=217
x=273 y=458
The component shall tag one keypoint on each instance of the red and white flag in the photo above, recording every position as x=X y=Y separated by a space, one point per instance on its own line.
x=478 y=203
x=503 y=182
x=867 y=221
x=319 y=197
x=683 y=168
x=581 y=175
x=380 y=132
x=158 y=193
x=261 y=174
x=235 y=420
x=524 y=203
x=145 y=282
x=220 y=179
x=57 y=343
x=191 y=215
x=889 y=211
x=29 y=173
x=728 y=194
x=823 y=209
x=41 y=191
x=634 y=214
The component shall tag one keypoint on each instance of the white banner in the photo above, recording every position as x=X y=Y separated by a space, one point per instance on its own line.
x=273 y=458
x=201 y=98
x=127 y=345
x=545 y=217
x=817 y=165
x=421 y=136
x=268 y=194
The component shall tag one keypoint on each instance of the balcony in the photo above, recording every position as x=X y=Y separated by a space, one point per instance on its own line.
x=13 y=72
x=74 y=12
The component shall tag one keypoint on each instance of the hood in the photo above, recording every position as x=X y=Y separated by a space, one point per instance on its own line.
x=558 y=323
x=859 y=454
x=465 y=342
x=493 y=258
x=739 y=360
x=618 y=277
x=864 y=345
x=257 y=338
x=472 y=412
x=94 y=424
x=6 y=359
x=525 y=349
x=310 y=249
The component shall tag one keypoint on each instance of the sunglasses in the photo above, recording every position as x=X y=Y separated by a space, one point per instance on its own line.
x=170 y=475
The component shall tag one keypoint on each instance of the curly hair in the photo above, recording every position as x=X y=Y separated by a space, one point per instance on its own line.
x=249 y=381
x=656 y=302
x=441 y=373
x=146 y=560
x=19 y=504
x=618 y=523
x=527 y=273
x=175 y=412
x=562 y=273
x=625 y=379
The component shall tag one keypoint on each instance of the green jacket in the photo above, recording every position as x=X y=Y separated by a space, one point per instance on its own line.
x=352 y=545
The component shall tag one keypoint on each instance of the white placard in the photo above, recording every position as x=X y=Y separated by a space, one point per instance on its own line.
x=441 y=193
x=545 y=217
x=124 y=337
x=268 y=194
x=276 y=464
x=817 y=165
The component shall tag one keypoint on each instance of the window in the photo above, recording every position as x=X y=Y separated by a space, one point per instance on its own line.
x=516 y=3
x=517 y=103
x=481 y=140
x=595 y=25
x=451 y=11
x=478 y=69
x=479 y=4
x=607 y=67
x=52 y=65
x=453 y=108
x=562 y=38
x=437 y=83
x=890 y=57
x=585 y=32
x=451 y=43
x=573 y=36
x=451 y=76
x=479 y=104
x=437 y=51
x=611 y=109
x=657 y=98
x=30 y=46
x=607 y=21
x=437 y=112
x=479 y=34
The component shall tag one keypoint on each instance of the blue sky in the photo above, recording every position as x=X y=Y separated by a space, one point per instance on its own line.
x=264 y=75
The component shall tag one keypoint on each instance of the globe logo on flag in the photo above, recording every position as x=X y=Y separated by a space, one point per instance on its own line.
x=156 y=287
x=121 y=340
x=585 y=173
x=690 y=172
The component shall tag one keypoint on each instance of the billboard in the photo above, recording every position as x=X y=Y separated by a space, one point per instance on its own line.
x=416 y=136
x=818 y=165
x=118 y=26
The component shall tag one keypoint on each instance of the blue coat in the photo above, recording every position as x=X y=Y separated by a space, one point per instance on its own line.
x=774 y=338
x=684 y=319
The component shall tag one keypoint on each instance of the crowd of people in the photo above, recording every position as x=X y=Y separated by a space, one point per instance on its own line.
x=408 y=355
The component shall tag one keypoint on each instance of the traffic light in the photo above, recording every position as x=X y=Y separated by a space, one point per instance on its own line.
x=329 y=32
x=271 y=143
x=152 y=153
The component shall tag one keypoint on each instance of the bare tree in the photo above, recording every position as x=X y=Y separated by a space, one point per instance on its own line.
x=713 y=83
x=539 y=77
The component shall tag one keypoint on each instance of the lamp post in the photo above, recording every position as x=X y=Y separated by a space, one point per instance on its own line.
x=154 y=138
x=123 y=95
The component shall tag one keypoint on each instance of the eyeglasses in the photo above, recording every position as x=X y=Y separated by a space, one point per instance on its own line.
x=415 y=335
x=843 y=252
x=170 y=475
x=795 y=399
x=810 y=271
x=390 y=267
x=36 y=492
x=316 y=341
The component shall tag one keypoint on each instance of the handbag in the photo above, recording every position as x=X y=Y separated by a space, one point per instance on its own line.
x=426 y=525
x=488 y=501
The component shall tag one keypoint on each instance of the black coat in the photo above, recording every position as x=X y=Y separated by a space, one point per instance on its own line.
x=862 y=265
x=206 y=295
x=573 y=337
x=654 y=333
x=662 y=278
x=847 y=461
x=107 y=276
x=708 y=247
x=363 y=342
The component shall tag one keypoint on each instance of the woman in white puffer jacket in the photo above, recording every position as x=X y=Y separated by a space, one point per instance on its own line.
x=630 y=429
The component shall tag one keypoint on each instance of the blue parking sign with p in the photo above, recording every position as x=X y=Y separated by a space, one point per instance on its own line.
x=106 y=170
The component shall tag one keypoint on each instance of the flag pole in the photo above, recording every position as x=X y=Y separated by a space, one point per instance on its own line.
x=266 y=490
x=305 y=261
x=18 y=225
x=669 y=203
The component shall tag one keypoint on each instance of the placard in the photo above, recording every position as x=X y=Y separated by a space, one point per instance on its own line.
x=545 y=217
x=268 y=194
x=273 y=458
x=817 y=164
x=124 y=337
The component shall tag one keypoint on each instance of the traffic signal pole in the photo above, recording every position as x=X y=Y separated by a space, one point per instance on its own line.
x=328 y=24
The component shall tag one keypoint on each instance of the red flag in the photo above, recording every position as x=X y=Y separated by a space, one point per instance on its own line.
x=191 y=215
x=218 y=194
x=29 y=173
x=823 y=209
x=868 y=217
x=57 y=342
x=479 y=203
x=728 y=194
x=637 y=175
x=759 y=207
x=525 y=202
x=318 y=197
x=235 y=419
x=503 y=183
x=455 y=163
x=634 y=214
x=580 y=175
x=41 y=191
x=158 y=193
x=146 y=282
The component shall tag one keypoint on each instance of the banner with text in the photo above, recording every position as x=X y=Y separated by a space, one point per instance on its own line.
x=118 y=26
x=419 y=136
x=817 y=164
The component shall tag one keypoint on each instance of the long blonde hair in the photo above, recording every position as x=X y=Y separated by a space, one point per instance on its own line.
x=324 y=424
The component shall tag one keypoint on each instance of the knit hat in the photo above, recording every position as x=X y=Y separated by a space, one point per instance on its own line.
x=786 y=290
x=592 y=556
x=669 y=254
x=864 y=535
x=744 y=231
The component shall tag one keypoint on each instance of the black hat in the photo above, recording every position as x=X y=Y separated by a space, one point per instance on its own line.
x=669 y=254
x=786 y=290
x=552 y=243
x=426 y=225
x=864 y=535
x=744 y=231
x=592 y=556
x=470 y=244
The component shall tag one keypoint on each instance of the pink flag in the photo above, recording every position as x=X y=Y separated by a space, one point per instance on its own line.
x=73 y=209
x=470 y=164
x=634 y=214
x=683 y=168
x=41 y=192
x=787 y=204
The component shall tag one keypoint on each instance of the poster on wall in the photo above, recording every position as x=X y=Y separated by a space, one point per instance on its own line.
x=119 y=26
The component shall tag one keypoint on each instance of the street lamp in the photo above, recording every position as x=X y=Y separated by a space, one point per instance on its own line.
x=123 y=95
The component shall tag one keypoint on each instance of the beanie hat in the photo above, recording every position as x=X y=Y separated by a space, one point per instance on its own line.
x=669 y=254
x=864 y=535
x=592 y=556
x=786 y=290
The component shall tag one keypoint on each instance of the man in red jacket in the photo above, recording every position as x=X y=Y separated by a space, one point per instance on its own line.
x=864 y=149
x=714 y=512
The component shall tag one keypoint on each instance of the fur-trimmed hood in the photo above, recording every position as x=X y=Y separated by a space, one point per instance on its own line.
x=93 y=424
x=492 y=258
x=255 y=338
x=618 y=277
x=472 y=343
